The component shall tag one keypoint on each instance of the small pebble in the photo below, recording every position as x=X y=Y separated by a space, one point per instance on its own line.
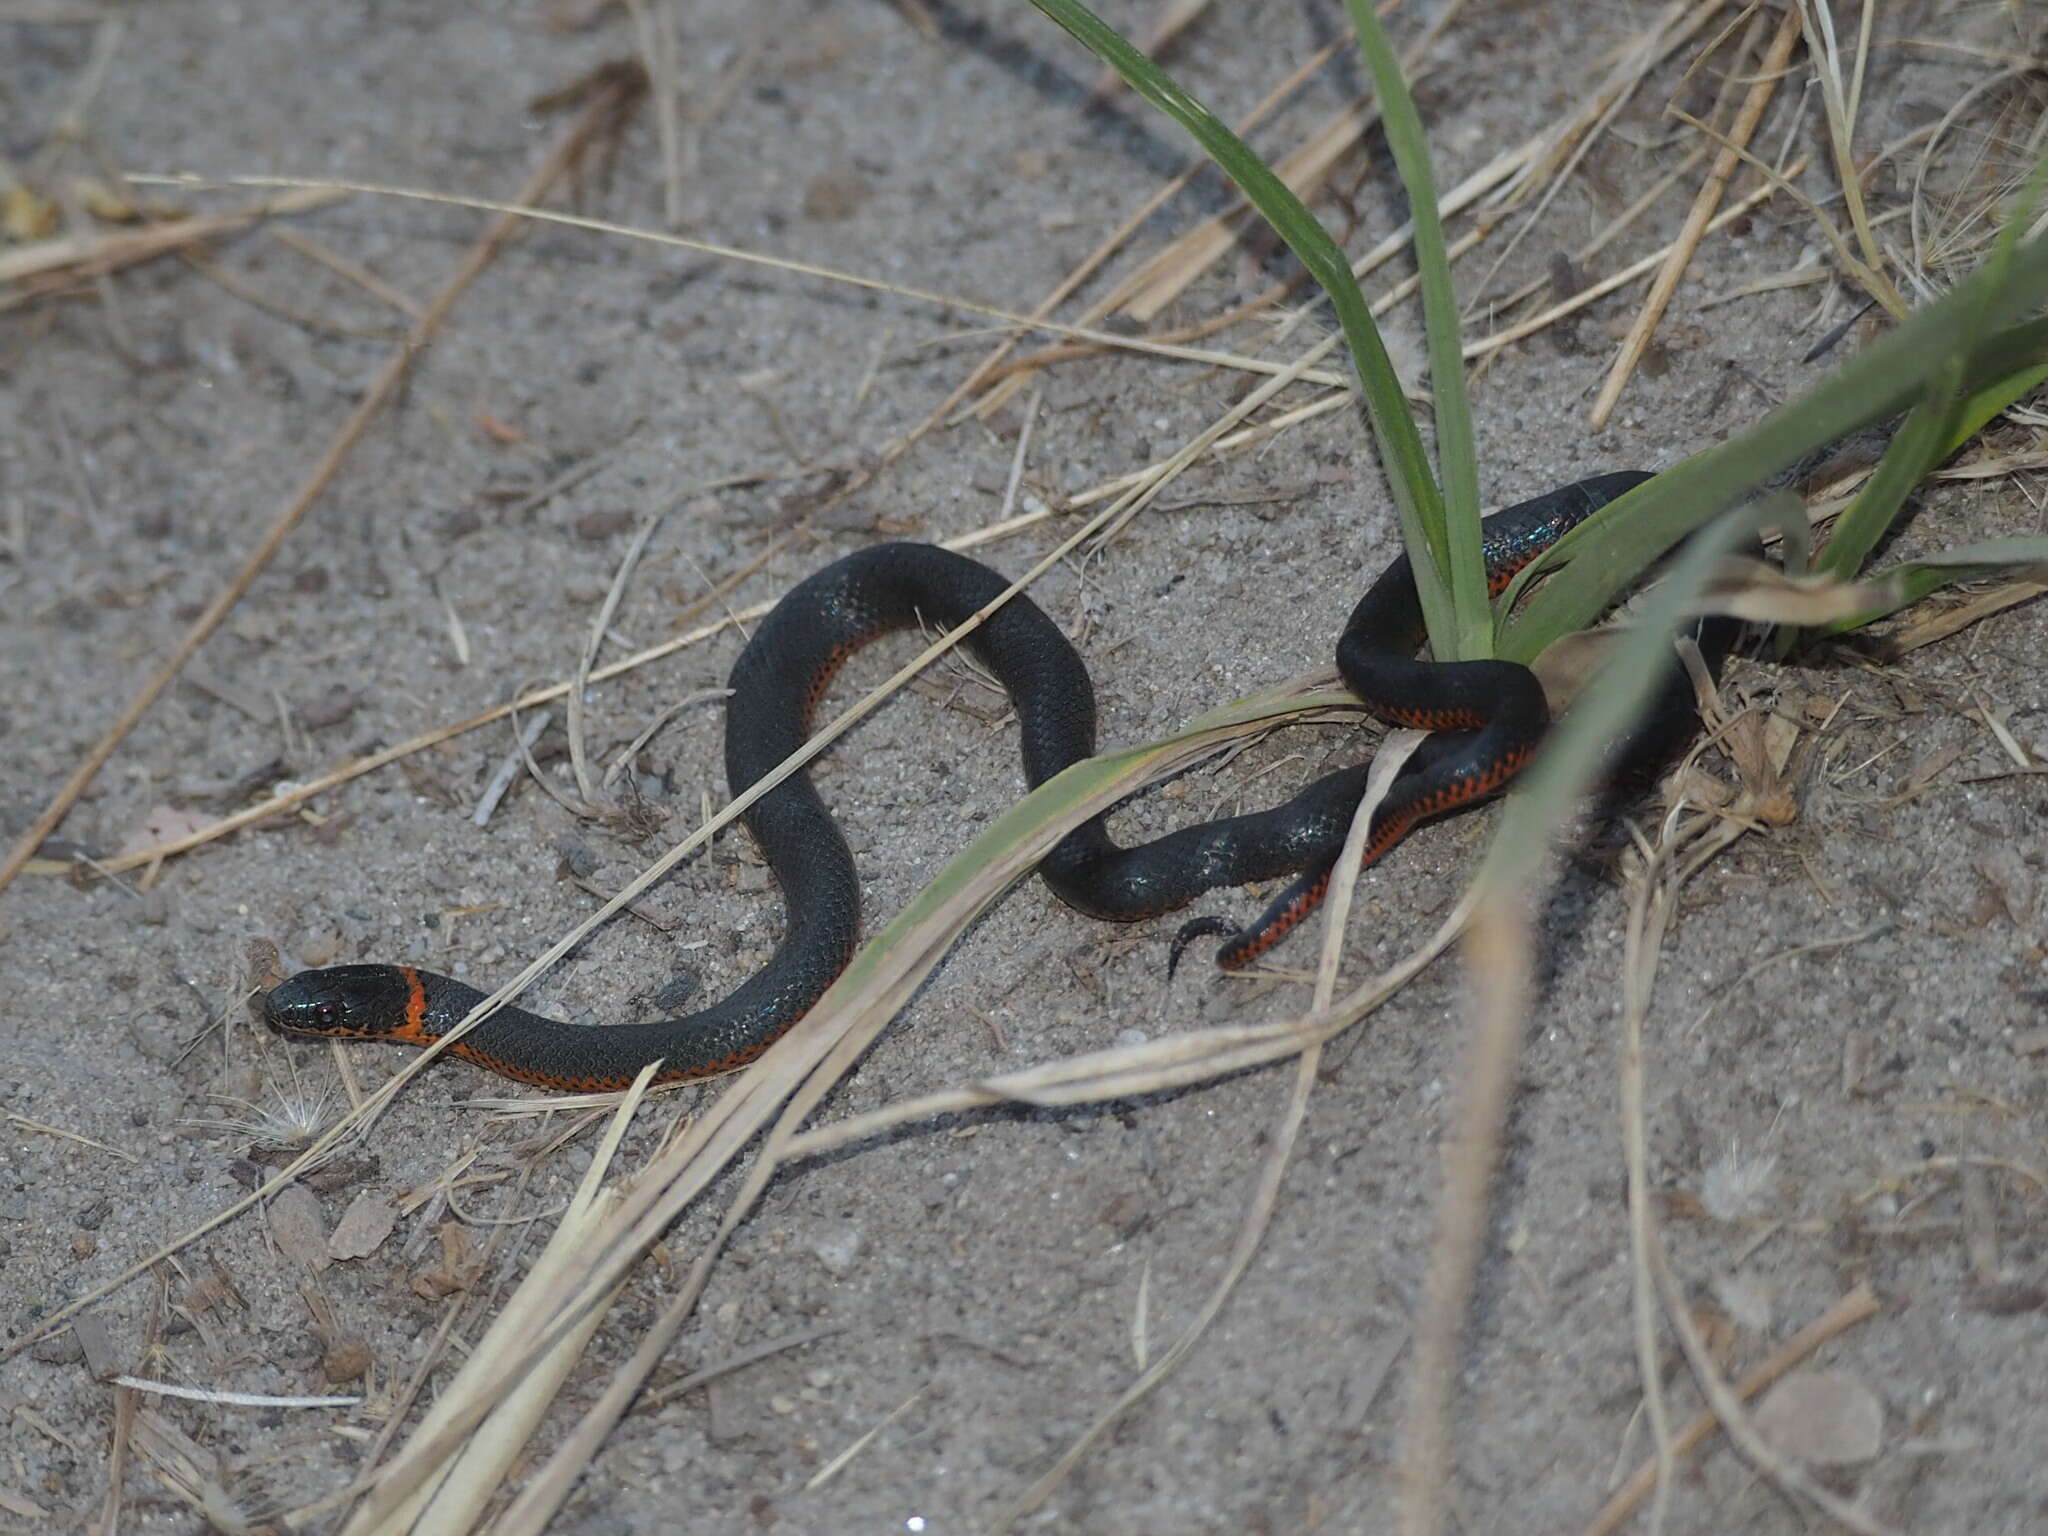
x=334 y=704
x=835 y=194
x=838 y=1247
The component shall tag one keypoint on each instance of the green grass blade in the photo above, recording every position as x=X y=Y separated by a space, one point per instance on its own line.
x=1979 y=409
x=1920 y=445
x=1916 y=579
x=1612 y=549
x=1456 y=457
x=1416 y=498
x=1616 y=697
x=1923 y=441
x=1980 y=406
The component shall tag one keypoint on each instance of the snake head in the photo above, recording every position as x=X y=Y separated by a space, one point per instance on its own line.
x=357 y=1001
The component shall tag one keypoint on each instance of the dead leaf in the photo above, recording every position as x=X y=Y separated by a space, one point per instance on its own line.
x=458 y=1269
x=1780 y=737
x=1570 y=662
x=363 y=1227
x=295 y=1223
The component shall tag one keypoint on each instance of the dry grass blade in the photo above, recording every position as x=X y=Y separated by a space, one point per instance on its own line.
x=1761 y=593
x=526 y=734
x=453 y=1496
x=1683 y=848
x=1789 y=1477
x=1386 y=765
x=663 y=1396
x=594 y=117
x=1395 y=750
x=839 y=1463
x=55 y=14
x=803 y=1067
x=938 y=301
x=1839 y=101
x=1499 y=967
x=231 y=1399
x=654 y=29
x=1649 y=916
x=1859 y=1305
x=985 y=371
x=50 y=265
x=600 y=626
x=599 y=113
x=254 y=294
x=1948 y=621
x=1569 y=142
x=809 y=1057
x=1703 y=208
x=346 y=268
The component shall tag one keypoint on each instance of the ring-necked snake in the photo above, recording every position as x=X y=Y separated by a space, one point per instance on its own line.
x=1489 y=717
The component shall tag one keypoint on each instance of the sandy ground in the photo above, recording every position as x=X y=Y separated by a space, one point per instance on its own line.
x=1808 y=1118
